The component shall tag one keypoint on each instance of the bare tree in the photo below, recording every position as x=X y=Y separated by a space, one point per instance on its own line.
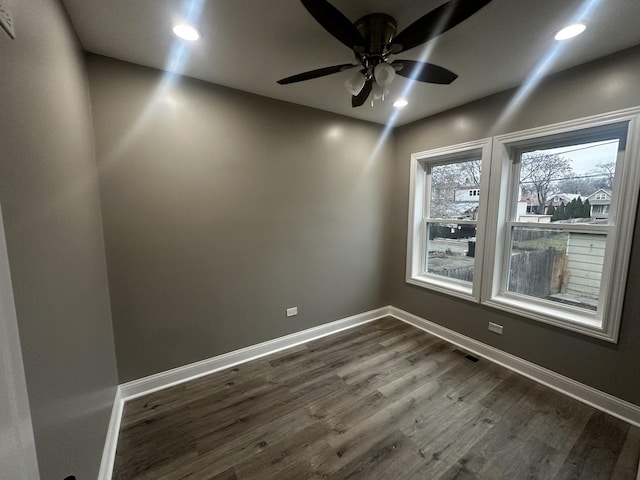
x=539 y=173
x=607 y=170
x=582 y=186
x=470 y=171
x=445 y=180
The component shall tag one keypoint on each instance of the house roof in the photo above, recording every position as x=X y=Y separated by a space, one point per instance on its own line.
x=565 y=197
x=593 y=201
x=600 y=190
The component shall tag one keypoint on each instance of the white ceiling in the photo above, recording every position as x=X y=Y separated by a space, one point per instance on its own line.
x=250 y=44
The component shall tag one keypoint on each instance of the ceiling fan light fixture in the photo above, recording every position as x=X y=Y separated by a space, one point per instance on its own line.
x=355 y=83
x=378 y=92
x=570 y=31
x=384 y=74
x=186 y=32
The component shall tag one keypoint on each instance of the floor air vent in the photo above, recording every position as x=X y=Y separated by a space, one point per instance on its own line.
x=466 y=356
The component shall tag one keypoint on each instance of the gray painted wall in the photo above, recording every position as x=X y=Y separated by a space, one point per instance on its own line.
x=17 y=445
x=49 y=198
x=221 y=209
x=602 y=86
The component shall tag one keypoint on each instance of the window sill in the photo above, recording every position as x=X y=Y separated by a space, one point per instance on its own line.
x=453 y=288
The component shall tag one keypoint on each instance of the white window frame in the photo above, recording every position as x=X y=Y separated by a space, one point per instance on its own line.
x=495 y=207
x=605 y=324
x=419 y=193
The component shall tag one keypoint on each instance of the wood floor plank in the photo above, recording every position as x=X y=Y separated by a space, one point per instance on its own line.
x=228 y=474
x=156 y=442
x=219 y=428
x=376 y=402
x=505 y=395
x=154 y=405
x=353 y=408
x=451 y=435
x=627 y=465
x=493 y=454
x=249 y=443
x=559 y=420
x=373 y=463
x=596 y=452
x=282 y=455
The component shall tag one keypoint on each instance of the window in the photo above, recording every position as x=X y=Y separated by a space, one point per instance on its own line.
x=446 y=248
x=550 y=254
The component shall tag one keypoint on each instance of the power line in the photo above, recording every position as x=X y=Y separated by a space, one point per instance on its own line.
x=576 y=177
x=609 y=142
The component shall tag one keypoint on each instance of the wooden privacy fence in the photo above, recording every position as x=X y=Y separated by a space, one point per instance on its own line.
x=531 y=273
x=525 y=234
x=459 y=273
x=538 y=273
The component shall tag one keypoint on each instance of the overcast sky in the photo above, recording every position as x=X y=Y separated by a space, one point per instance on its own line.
x=585 y=157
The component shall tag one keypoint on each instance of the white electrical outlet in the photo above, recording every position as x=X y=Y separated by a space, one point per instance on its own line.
x=6 y=20
x=495 y=328
x=292 y=312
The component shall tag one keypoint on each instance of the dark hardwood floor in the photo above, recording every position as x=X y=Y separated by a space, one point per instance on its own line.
x=381 y=401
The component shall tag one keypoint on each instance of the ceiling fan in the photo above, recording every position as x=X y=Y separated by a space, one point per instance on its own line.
x=373 y=40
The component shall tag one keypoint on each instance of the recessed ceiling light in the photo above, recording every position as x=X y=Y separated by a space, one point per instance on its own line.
x=570 y=31
x=186 y=32
x=400 y=103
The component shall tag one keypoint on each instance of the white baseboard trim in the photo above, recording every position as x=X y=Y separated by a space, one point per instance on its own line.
x=111 y=443
x=175 y=376
x=602 y=401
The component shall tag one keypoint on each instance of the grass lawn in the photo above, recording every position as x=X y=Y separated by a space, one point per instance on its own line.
x=555 y=240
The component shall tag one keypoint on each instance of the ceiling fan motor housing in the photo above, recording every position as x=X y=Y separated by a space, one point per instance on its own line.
x=378 y=29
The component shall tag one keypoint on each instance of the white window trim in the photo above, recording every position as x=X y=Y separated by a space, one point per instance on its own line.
x=619 y=238
x=416 y=233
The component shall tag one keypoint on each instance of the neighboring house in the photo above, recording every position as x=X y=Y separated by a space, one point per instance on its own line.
x=465 y=202
x=529 y=203
x=600 y=201
x=562 y=199
x=467 y=193
x=585 y=260
x=533 y=206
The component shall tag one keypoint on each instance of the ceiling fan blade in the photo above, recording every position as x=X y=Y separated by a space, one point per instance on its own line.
x=435 y=22
x=424 y=72
x=320 y=72
x=358 y=100
x=334 y=22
